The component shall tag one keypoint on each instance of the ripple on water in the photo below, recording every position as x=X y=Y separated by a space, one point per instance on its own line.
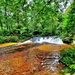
x=42 y=59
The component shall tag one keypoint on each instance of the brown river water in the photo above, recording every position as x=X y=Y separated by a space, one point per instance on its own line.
x=30 y=59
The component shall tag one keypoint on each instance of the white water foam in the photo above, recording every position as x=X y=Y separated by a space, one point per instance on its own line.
x=52 y=39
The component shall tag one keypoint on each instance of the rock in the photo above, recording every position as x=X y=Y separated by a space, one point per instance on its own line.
x=30 y=59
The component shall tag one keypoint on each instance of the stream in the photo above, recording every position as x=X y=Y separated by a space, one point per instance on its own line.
x=37 y=56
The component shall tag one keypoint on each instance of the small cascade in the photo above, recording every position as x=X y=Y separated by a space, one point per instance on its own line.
x=51 y=60
x=51 y=40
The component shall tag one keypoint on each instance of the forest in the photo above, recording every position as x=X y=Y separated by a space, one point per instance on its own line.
x=23 y=19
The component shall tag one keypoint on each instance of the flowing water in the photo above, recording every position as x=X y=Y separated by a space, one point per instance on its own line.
x=51 y=40
x=38 y=58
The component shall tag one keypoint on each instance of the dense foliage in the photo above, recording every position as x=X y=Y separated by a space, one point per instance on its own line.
x=4 y=39
x=68 y=26
x=29 y=18
x=68 y=59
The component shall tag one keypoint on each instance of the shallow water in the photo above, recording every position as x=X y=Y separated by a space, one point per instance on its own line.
x=31 y=59
x=8 y=44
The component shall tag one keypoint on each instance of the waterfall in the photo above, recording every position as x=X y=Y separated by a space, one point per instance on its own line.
x=40 y=40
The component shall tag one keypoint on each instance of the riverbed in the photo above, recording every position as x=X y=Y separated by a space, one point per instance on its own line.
x=31 y=59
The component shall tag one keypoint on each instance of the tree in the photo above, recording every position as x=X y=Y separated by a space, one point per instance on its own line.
x=31 y=18
x=68 y=26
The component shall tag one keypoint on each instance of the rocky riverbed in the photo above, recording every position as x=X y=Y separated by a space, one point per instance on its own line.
x=31 y=59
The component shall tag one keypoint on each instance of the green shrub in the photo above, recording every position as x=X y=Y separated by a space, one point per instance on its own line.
x=68 y=59
x=4 y=39
x=74 y=37
x=66 y=37
x=11 y=38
